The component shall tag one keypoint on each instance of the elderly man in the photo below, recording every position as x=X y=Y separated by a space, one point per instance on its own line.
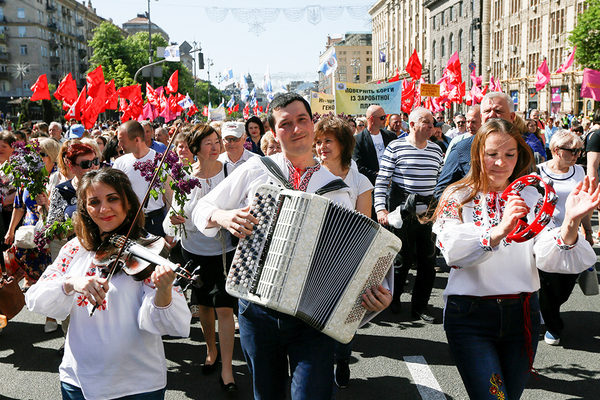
x=412 y=164
x=234 y=136
x=458 y=159
x=132 y=140
x=460 y=128
x=395 y=124
x=162 y=136
x=473 y=120
x=55 y=131
x=371 y=143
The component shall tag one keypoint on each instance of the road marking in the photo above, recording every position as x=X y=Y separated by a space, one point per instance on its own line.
x=428 y=386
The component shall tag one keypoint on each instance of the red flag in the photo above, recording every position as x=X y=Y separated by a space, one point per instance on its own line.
x=452 y=70
x=75 y=110
x=129 y=92
x=67 y=90
x=112 y=97
x=193 y=110
x=237 y=107
x=569 y=61
x=408 y=95
x=255 y=110
x=173 y=84
x=152 y=96
x=205 y=111
x=93 y=107
x=246 y=111
x=542 y=77
x=396 y=77
x=477 y=80
x=40 y=89
x=95 y=83
x=414 y=67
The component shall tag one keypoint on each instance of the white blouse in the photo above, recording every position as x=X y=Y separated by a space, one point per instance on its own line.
x=509 y=268
x=118 y=351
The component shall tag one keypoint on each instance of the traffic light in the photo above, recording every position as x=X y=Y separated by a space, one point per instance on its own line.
x=200 y=61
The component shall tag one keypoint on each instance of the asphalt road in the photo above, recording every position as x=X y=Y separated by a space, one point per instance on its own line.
x=383 y=362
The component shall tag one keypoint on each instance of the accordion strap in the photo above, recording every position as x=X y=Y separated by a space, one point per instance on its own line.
x=274 y=169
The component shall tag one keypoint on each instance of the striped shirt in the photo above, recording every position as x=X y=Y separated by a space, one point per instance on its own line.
x=413 y=170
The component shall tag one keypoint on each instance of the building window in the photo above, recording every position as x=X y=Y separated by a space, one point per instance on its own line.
x=535 y=26
x=369 y=69
x=451 y=11
x=460 y=40
x=460 y=9
x=533 y=63
x=5 y=86
x=498 y=9
x=21 y=13
x=515 y=6
x=451 y=44
x=22 y=31
x=443 y=45
x=497 y=38
x=555 y=58
x=515 y=35
x=557 y=22
x=433 y=51
x=443 y=18
x=342 y=70
x=433 y=22
x=514 y=67
x=24 y=50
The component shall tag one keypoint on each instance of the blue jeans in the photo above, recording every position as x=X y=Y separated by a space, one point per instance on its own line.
x=70 y=392
x=269 y=338
x=487 y=341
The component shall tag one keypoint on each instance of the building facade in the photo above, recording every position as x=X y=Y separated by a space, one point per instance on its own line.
x=399 y=27
x=354 y=56
x=43 y=37
x=140 y=24
x=506 y=39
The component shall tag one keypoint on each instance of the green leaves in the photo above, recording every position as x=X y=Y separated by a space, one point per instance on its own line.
x=586 y=36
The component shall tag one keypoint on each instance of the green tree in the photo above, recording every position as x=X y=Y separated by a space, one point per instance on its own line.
x=586 y=36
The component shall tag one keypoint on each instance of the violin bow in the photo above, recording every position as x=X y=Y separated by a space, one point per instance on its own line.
x=137 y=214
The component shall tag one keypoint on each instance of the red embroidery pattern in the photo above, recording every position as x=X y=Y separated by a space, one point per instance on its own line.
x=494 y=207
x=449 y=209
x=295 y=179
x=82 y=301
x=102 y=307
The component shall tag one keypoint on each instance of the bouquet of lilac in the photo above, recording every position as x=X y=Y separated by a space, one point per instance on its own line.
x=57 y=230
x=181 y=182
x=26 y=168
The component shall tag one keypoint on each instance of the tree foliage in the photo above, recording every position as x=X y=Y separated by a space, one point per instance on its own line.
x=586 y=36
x=121 y=57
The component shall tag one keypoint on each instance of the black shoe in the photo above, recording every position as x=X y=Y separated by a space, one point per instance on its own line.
x=396 y=306
x=424 y=316
x=231 y=389
x=342 y=373
x=208 y=369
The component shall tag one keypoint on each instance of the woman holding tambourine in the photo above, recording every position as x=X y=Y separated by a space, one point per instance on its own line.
x=492 y=318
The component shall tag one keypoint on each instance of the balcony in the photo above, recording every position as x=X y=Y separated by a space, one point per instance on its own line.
x=4 y=56
x=52 y=26
x=82 y=53
x=53 y=44
x=54 y=60
x=83 y=67
x=4 y=75
x=54 y=78
x=81 y=38
x=79 y=22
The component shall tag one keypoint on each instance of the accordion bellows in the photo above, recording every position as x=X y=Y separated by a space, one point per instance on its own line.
x=311 y=258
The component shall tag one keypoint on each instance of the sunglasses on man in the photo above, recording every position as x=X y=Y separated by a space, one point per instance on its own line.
x=87 y=164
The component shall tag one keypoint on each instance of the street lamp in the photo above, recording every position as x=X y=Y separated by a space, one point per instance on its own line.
x=209 y=63
x=150 y=44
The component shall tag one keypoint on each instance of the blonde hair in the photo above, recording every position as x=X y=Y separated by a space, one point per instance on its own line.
x=564 y=138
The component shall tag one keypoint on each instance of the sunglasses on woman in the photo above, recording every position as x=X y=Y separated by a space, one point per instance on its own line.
x=87 y=164
x=575 y=152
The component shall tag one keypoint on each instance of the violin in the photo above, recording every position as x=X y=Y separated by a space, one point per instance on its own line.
x=140 y=257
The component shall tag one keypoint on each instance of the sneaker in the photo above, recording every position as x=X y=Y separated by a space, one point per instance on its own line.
x=50 y=326
x=551 y=339
x=342 y=373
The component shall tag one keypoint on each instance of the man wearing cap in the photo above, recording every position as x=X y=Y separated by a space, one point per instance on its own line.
x=132 y=140
x=76 y=131
x=234 y=136
x=149 y=137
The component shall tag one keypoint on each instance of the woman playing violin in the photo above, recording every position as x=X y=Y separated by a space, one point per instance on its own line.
x=117 y=351
x=492 y=318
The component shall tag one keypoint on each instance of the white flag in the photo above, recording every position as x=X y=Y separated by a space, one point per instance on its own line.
x=172 y=53
x=330 y=63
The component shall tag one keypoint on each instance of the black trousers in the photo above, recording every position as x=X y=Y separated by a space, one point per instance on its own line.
x=417 y=245
x=555 y=290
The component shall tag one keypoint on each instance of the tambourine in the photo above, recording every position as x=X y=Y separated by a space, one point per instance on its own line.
x=523 y=231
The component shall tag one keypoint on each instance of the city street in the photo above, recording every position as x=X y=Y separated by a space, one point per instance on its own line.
x=394 y=357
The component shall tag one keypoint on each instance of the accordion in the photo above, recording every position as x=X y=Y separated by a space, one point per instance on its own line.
x=311 y=258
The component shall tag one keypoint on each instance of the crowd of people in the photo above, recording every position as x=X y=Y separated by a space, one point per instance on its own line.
x=443 y=177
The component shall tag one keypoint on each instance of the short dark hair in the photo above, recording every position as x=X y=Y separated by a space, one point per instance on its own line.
x=133 y=129
x=85 y=228
x=283 y=100
x=343 y=133
x=258 y=122
x=198 y=133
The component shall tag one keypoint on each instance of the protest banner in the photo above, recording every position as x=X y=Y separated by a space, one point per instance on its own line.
x=355 y=98
x=322 y=103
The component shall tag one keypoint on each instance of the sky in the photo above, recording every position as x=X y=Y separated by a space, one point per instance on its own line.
x=289 y=49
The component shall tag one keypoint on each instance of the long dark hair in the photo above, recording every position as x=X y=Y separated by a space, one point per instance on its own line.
x=257 y=121
x=85 y=228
